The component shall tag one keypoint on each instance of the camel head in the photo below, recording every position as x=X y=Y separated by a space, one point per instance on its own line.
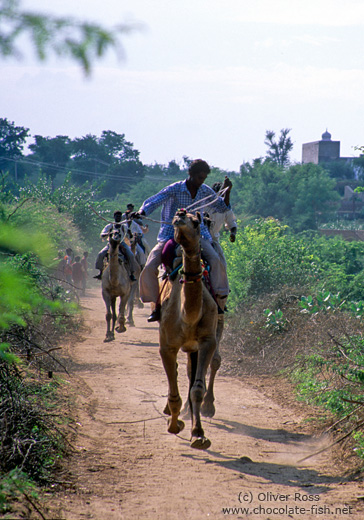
x=115 y=235
x=187 y=229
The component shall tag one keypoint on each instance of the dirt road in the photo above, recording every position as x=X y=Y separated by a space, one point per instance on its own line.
x=128 y=467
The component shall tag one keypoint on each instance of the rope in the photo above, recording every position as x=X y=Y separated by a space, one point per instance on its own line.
x=220 y=193
x=215 y=195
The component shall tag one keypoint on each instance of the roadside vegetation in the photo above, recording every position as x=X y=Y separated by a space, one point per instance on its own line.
x=296 y=304
x=36 y=310
x=297 y=308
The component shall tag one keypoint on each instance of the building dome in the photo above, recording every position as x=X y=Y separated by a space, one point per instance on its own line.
x=326 y=136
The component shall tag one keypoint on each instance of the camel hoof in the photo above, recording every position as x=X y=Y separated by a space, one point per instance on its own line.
x=176 y=428
x=200 y=443
x=120 y=329
x=130 y=323
x=140 y=305
x=207 y=409
x=109 y=338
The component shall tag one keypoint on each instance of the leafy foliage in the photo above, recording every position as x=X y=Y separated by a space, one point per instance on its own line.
x=32 y=434
x=13 y=485
x=274 y=320
x=84 y=42
x=67 y=214
x=267 y=256
x=297 y=195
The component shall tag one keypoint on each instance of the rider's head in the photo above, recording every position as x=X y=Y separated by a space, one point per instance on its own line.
x=130 y=207
x=198 y=171
x=117 y=216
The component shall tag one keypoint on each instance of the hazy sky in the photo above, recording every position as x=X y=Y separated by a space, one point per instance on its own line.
x=203 y=78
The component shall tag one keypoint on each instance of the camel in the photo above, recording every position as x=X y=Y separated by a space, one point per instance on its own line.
x=134 y=293
x=115 y=283
x=207 y=406
x=189 y=321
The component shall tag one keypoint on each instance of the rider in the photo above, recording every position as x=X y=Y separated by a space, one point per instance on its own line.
x=135 y=225
x=130 y=260
x=181 y=195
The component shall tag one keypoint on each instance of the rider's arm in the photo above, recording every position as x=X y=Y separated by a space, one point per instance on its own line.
x=105 y=232
x=157 y=200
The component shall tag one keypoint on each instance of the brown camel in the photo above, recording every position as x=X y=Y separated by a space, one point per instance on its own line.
x=115 y=283
x=189 y=322
x=207 y=406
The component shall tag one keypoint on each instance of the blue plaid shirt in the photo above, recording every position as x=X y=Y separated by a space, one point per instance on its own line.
x=176 y=196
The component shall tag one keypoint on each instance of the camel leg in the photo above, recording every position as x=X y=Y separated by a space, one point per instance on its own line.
x=108 y=304
x=199 y=364
x=208 y=407
x=169 y=359
x=121 y=316
x=113 y=310
x=130 y=305
x=186 y=410
x=138 y=301
x=166 y=410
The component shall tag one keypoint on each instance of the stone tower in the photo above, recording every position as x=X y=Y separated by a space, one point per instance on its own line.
x=322 y=151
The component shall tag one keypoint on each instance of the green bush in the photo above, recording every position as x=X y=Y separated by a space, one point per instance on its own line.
x=267 y=256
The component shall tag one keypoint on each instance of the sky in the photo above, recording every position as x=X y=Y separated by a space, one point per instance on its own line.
x=201 y=78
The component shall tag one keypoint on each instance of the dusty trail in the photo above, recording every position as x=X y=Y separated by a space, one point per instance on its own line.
x=128 y=467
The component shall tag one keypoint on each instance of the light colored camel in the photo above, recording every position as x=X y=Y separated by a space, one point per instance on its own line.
x=115 y=284
x=189 y=322
x=134 y=293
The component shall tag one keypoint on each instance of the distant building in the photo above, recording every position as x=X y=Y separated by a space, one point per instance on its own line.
x=322 y=151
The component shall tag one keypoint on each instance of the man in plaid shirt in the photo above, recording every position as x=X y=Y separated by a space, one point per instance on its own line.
x=181 y=195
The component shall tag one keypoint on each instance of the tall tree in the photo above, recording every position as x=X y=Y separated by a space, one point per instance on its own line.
x=278 y=150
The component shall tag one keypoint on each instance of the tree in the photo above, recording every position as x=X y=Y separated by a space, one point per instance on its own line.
x=340 y=169
x=278 y=151
x=313 y=194
x=83 y=42
x=12 y=140
x=295 y=195
x=109 y=159
x=51 y=153
x=117 y=147
x=89 y=159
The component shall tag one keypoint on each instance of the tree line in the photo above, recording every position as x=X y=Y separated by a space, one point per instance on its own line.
x=301 y=195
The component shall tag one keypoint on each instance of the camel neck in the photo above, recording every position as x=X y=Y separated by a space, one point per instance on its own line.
x=192 y=262
x=192 y=287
